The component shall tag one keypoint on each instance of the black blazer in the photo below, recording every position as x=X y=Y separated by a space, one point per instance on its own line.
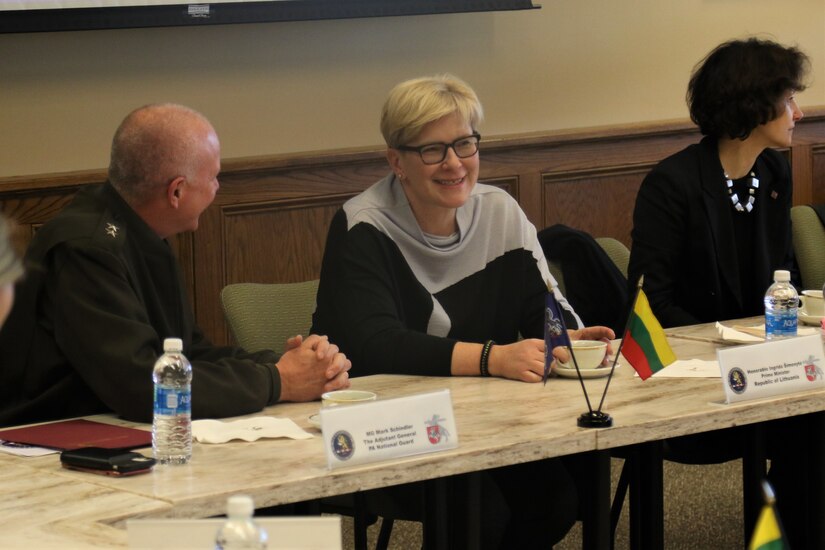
x=684 y=241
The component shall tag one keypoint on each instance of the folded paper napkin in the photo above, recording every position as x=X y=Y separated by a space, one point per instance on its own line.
x=248 y=429
x=732 y=335
x=690 y=368
x=748 y=334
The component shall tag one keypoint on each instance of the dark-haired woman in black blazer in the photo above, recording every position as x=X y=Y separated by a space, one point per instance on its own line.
x=712 y=222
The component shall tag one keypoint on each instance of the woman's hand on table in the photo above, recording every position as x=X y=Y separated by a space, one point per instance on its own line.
x=522 y=360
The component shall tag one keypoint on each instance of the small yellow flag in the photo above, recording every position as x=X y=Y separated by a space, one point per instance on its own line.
x=766 y=535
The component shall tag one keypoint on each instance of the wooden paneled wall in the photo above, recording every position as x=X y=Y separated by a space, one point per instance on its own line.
x=270 y=218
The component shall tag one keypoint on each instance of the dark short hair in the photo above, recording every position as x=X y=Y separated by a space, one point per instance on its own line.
x=739 y=85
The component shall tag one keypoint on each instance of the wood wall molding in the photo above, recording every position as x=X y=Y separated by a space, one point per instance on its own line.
x=817 y=181
x=269 y=220
x=597 y=200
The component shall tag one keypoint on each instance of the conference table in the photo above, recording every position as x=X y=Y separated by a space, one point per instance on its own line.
x=499 y=422
x=808 y=406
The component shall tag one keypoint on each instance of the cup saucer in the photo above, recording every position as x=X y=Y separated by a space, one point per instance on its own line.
x=315 y=420
x=568 y=372
x=809 y=319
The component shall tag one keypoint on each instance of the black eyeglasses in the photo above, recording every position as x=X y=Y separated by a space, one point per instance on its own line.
x=433 y=153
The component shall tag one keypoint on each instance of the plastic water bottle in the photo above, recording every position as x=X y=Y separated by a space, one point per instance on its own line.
x=240 y=531
x=172 y=422
x=781 y=304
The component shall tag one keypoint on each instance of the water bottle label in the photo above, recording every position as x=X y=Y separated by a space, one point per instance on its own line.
x=172 y=401
x=781 y=323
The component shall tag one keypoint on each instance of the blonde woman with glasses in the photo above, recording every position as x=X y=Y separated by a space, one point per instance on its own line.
x=429 y=272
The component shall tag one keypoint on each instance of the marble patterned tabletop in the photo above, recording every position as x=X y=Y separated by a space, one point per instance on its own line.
x=499 y=422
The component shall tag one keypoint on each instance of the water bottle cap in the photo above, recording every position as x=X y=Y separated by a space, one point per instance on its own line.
x=782 y=275
x=173 y=344
x=240 y=505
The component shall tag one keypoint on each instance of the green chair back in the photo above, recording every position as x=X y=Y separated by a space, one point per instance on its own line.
x=809 y=246
x=617 y=252
x=555 y=270
x=263 y=316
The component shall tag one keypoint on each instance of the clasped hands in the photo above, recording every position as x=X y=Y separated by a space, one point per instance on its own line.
x=524 y=360
x=311 y=366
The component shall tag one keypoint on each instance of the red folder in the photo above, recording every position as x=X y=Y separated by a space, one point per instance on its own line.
x=74 y=434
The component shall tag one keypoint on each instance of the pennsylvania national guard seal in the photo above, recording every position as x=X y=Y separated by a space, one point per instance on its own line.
x=737 y=380
x=342 y=445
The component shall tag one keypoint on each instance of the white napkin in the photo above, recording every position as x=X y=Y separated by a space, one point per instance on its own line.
x=248 y=429
x=690 y=368
x=732 y=335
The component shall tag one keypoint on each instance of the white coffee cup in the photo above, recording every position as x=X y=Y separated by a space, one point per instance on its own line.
x=813 y=303
x=347 y=397
x=589 y=354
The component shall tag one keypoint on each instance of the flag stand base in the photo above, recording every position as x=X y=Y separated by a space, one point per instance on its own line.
x=594 y=419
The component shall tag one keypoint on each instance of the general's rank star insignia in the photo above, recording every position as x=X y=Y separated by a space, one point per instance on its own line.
x=111 y=230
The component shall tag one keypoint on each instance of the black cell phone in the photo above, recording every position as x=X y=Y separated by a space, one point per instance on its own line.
x=110 y=462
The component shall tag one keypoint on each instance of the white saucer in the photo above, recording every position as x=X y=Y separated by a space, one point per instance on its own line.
x=565 y=372
x=315 y=420
x=809 y=319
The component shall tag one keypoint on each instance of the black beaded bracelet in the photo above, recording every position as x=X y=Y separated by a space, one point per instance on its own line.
x=485 y=358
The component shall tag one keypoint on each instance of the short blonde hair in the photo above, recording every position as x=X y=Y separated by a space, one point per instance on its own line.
x=415 y=103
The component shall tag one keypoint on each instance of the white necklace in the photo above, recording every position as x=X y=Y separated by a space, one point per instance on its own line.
x=734 y=197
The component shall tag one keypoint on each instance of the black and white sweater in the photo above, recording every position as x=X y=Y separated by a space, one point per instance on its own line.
x=396 y=301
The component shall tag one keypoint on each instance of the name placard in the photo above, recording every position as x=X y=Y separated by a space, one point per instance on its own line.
x=773 y=368
x=391 y=428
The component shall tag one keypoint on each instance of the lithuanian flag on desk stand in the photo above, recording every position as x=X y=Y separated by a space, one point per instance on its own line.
x=644 y=343
x=768 y=535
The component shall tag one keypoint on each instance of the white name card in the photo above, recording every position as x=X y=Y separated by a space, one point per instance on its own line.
x=391 y=428
x=773 y=368
x=285 y=533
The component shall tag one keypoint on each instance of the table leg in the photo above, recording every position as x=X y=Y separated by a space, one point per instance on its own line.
x=595 y=498
x=359 y=522
x=816 y=480
x=647 y=519
x=472 y=524
x=436 y=512
x=453 y=512
x=754 y=470
x=635 y=514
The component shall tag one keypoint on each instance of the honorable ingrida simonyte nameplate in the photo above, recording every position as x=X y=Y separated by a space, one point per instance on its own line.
x=773 y=368
x=391 y=428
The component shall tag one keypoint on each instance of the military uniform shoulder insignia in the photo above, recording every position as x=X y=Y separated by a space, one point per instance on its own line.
x=112 y=229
